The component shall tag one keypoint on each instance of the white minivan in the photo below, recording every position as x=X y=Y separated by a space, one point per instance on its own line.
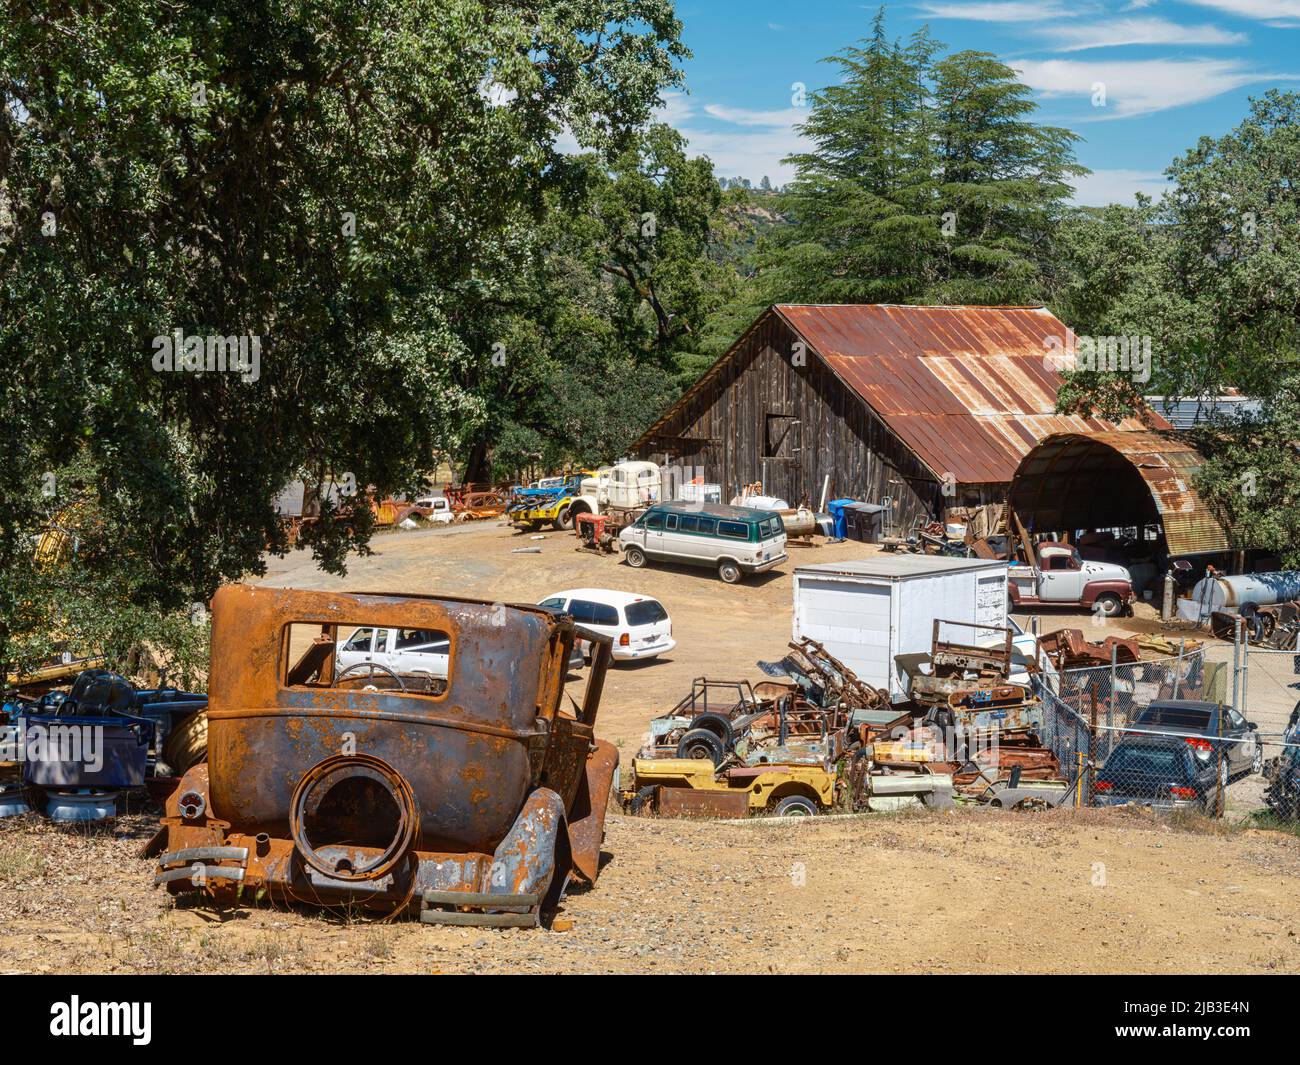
x=639 y=625
x=734 y=540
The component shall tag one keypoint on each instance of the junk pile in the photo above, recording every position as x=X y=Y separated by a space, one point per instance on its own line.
x=74 y=754
x=1275 y=626
x=1070 y=649
x=931 y=538
x=816 y=738
x=473 y=802
x=475 y=501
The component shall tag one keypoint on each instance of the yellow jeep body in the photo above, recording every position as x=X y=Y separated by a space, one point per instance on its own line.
x=762 y=784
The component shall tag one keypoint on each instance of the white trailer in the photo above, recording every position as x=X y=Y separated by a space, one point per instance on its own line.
x=868 y=611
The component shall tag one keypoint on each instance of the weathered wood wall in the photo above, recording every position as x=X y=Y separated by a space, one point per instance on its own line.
x=753 y=403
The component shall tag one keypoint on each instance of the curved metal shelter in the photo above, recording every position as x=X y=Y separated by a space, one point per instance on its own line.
x=1115 y=479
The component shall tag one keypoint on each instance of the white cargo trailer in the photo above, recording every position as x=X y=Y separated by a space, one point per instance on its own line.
x=868 y=611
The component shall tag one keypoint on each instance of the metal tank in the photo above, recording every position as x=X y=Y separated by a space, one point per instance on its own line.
x=1263 y=589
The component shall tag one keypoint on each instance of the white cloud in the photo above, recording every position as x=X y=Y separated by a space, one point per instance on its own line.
x=1141 y=87
x=1115 y=32
x=1117 y=186
x=1264 y=10
x=676 y=108
x=741 y=116
x=741 y=142
x=999 y=10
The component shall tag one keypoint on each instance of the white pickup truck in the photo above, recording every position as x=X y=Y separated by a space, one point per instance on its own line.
x=1062 y=578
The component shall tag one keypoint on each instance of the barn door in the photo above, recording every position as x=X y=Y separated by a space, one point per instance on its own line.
x=781 y=455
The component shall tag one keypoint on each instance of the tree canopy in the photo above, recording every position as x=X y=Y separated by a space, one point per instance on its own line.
x=1211 y=274
x=343 y=183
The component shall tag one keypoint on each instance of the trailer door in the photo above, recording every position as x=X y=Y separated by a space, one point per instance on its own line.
x=991 y=603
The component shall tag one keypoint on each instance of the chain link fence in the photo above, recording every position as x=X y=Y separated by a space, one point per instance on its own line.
x=1243 y=753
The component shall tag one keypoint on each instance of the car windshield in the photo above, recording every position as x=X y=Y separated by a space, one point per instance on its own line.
x=359 y=640
x=646 y=612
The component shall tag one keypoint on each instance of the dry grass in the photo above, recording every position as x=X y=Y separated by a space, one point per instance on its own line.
x=19 y=860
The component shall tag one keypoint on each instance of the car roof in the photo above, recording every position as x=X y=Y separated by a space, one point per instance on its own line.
x=602 y=595
x=716 y=510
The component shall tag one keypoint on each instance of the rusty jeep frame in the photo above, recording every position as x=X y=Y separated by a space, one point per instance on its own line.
x=472 y=801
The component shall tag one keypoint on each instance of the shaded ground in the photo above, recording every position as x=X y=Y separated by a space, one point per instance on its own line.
x=968 y=891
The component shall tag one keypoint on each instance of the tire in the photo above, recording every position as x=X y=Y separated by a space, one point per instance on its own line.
x=1257 y=763
x=635 y=556
x=1109 y=605
x=564 y=519
x=730 y=572
x=796 y=806
x=643 y=802
x=701 y=743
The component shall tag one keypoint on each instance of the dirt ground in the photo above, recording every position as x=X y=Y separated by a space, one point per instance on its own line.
x=963 y=891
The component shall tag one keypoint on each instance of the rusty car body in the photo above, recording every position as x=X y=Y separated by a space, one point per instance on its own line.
x=471 y=801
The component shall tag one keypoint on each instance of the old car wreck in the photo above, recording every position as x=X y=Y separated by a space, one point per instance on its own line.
x=471 y=797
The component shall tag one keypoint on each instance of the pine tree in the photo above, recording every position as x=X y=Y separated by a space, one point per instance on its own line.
x=927 y=182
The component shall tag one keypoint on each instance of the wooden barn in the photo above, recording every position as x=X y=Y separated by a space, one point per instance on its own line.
x=933 y=407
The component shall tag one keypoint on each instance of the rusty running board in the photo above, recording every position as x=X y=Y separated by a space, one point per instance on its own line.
x=481 y=910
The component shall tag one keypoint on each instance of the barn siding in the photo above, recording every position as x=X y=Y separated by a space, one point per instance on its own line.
x=723 y=429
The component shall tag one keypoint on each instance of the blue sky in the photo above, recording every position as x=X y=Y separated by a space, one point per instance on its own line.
x=1172 y=71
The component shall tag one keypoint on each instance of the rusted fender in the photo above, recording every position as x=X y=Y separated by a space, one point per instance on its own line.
x=587 y=816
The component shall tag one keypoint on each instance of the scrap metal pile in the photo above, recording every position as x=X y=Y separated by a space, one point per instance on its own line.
x=76 y=755
x=816 y=738
x=1277 y=628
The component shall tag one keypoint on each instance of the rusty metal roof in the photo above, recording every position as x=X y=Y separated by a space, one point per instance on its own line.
x=967 y=388
x=1100 y=480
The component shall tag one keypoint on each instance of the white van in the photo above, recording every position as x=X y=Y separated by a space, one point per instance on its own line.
x=734 y=540
x=639 y=625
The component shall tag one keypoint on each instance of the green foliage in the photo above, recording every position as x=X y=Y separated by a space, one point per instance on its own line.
x=928 y=182
x=1211 y=274
x=345 y=180
x=624 y=274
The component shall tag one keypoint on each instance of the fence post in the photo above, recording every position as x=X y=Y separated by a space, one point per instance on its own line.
x=1114 y=680
x=1178 y=669
x=1236 y=664
x=1221 y=802
x=1092 y=749
x=1245 y=671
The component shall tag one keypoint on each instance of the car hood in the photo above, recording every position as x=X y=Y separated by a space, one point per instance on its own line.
x=1106 y=571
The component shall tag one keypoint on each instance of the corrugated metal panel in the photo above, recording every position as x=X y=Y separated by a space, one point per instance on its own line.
x=1076 y=480
x=967 y=388
x=1187 y=413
